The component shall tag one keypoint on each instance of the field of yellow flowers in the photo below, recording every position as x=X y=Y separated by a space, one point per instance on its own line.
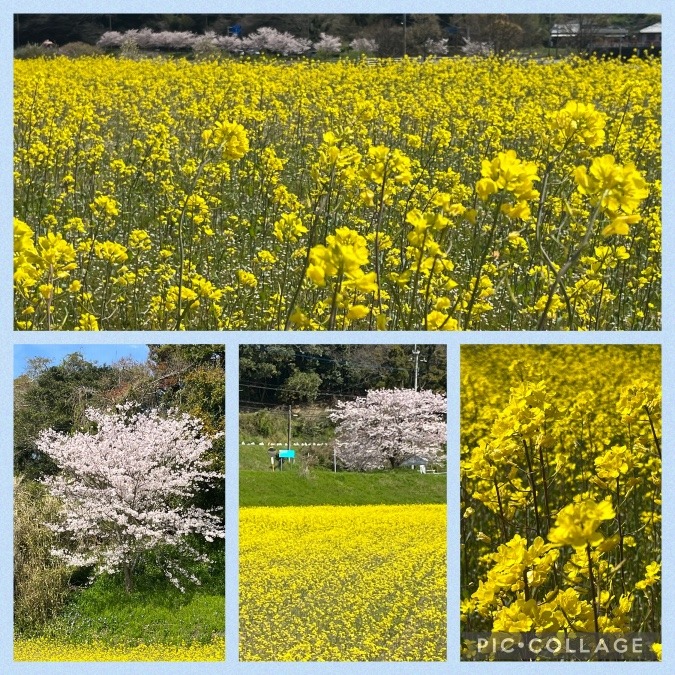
x=491 y=193
x=561 y=493
x=44 y=649
x=343 y=583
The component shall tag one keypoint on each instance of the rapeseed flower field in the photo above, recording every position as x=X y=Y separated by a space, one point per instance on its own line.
x=343 y=583
x=561 y=493
x=44 y=649
x=463 y=193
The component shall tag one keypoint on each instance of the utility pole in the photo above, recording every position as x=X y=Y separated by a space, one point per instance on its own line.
x=405 y=33
x=288 y=446
x=416 y=354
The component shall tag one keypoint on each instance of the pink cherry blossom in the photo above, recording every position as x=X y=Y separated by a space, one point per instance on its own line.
x=126 y=490
x=388 y=426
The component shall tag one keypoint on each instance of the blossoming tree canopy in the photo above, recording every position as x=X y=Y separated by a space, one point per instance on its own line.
x=388 y=426
x=126 y=491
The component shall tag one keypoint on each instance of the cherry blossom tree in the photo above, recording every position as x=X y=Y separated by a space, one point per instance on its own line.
x=205 y=44
x=471 y=48
x=271 y=40
x=125 y=491
x=364 y=45
x=328 y=44
x=230 y=43
x=388 y=426
x=144 y=38
x=436 y=47
x=111 y=38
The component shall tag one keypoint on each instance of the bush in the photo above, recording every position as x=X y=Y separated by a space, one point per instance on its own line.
x=263 y=424
x=301 y=387
x=74 y=49
x=40 y=582
x=32 y=51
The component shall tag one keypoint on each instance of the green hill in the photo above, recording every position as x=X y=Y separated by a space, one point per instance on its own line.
x=320 y=486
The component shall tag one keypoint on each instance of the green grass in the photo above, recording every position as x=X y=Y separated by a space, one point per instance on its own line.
x=320 y=486
x=309 y=425
x=156 y=612
x=256 y=457
x=269 y=427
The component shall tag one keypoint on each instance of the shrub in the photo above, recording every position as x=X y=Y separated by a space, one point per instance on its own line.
x=40 y=581
x=75 y=49
x=32 y=51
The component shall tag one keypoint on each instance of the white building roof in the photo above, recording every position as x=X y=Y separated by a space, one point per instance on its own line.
x=654 y=28
x=565 y=29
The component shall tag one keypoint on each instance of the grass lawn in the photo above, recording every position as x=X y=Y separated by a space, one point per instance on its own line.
x=320 y=486
x=156 y=611
x=154 y=623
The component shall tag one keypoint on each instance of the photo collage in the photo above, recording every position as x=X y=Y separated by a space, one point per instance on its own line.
x=337 y=339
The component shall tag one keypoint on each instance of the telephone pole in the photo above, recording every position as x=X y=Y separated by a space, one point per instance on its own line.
x=416 y=354
x=288 y=446
x=405 y=34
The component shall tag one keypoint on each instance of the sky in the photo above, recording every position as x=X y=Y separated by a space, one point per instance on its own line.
x=101 y=354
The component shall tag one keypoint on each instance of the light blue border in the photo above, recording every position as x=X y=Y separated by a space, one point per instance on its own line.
x=232 y=340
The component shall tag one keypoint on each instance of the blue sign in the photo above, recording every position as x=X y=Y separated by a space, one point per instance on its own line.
x=287 y=454
x=235 y=30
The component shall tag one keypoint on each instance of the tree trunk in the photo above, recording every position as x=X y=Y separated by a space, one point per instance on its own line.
x=128 y=577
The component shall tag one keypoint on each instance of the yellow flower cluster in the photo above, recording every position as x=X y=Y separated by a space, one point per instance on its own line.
x=343 y=583
x=228 y=137
x=618 y=190
x=561 y=490
x=506 y=172
x=44 y=649
x=341 y=260
x=577 y=123
x=334 y=196
x=577 y=524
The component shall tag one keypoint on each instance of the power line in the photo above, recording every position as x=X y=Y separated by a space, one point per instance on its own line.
x=343 y=363
x=260 y=407
x=340 y=394
x=346 y=361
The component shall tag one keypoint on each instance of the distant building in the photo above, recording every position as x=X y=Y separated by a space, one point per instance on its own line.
x=563 y=34
x=650 y=36
x=576 y=34
x=414 y=461
x=610 y=40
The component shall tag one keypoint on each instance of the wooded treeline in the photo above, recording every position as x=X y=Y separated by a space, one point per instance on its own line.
x=503 y=31
x=281 y=374
x=189 y=378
